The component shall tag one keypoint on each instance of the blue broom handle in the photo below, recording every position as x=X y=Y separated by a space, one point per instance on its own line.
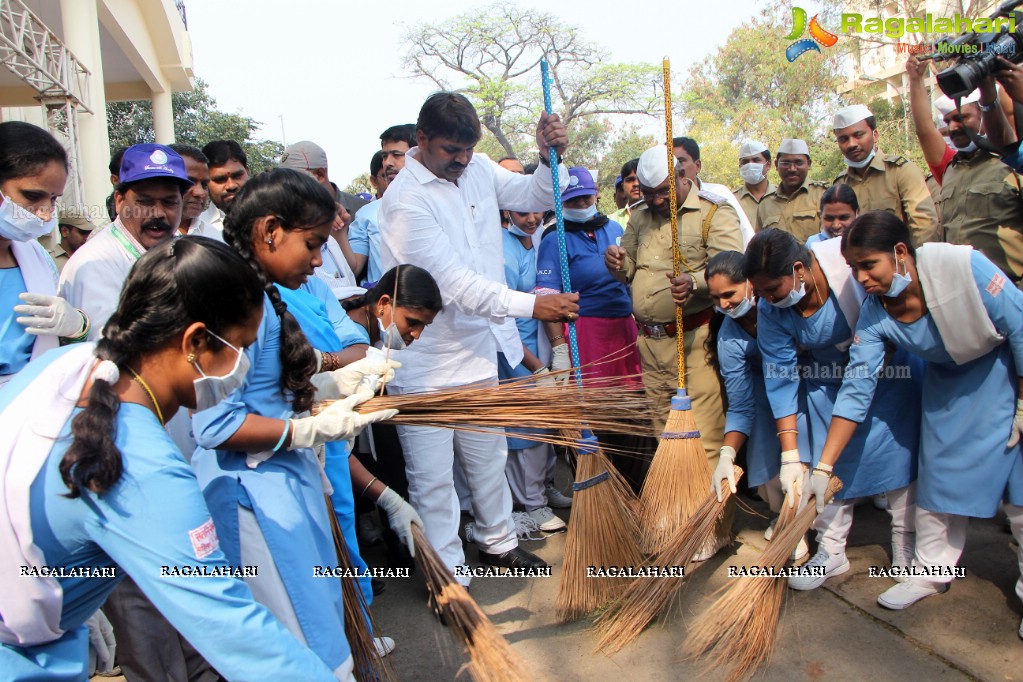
x=566 y=281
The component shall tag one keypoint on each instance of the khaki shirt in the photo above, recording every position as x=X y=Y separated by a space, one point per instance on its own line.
x=750 y=204
x=647 y=244
x=894 y=183
x=59 y=256
x=934 y=187
x=799 y=214
x=980 y=206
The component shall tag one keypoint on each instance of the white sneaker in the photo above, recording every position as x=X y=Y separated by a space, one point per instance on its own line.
x=546 y=520
x=711 y=547
x=526 y=528
x=881 y=501
x=769 y=532
x=384 y=645
x=556 y=498
x=822 y=566
x=801 y=550
x=902 y=561
x=906 y=594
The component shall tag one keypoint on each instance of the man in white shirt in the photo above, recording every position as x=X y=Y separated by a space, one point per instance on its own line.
x=440 y=213
x=193 y=223
x=148 y=199
x=229 y=171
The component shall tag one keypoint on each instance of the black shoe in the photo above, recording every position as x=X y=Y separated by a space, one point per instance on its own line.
x=513 y=558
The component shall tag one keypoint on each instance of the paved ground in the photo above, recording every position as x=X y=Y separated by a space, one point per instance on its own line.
x=835 y=633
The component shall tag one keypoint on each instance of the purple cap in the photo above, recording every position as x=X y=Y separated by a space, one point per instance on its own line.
x=580 y=184
x=365 y=195
x=147 y=161
x=618 y=181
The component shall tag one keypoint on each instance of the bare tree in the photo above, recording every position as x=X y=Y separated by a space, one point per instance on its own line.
x=492 y=54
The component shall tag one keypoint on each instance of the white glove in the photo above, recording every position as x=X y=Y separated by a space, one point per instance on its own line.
x=340 y=421
x=543 y=377
x=725 y=471
x=560 y=360
x=50 y=316
x=346 y=381
x=819 y=485
x=400 y=516
x=791 y=474
x=1017 y=421
x=101 y=641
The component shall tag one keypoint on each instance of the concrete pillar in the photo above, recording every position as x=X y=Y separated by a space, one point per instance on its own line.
x=81 y=36
x=163 y=117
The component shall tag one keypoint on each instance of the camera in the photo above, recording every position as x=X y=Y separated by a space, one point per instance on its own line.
x=978 y=54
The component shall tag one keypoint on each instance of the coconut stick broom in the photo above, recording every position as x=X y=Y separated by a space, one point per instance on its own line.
x=359 y=625
x=491 y=658
x=647 y=597
x=602 y=529
x=739 y=629
x=679 y=474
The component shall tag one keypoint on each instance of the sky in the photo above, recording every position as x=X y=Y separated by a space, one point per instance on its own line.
x=332 y=69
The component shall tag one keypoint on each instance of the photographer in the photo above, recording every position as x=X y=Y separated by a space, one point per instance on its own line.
x=980 y=196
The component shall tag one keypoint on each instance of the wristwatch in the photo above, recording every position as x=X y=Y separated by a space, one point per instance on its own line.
x=987 y=107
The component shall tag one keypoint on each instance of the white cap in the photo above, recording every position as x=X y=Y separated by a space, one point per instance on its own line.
x=849 y=115
x=751 y=148
x=946 y=106
x=653 y=166
x=790 y=146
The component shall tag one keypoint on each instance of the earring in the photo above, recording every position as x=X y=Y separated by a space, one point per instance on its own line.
x=270 y=242
x=190 y=358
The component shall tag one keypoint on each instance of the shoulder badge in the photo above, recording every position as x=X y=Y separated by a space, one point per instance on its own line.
x=712 y=197
x=896 y=159
x=819 y=183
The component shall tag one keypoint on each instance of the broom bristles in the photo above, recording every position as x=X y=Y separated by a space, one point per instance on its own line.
x=740 y=628
x=491 y=658
x=645 y=598
x=676 y=484
x=359 y=624
x=602 y=532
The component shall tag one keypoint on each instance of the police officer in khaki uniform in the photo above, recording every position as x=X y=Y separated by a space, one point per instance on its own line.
x=754 y=162
x=707 y=225
x=796 y=205
x=883 y=181
x=74 y=228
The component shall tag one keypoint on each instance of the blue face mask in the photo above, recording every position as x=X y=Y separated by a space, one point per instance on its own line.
x=738 y=310
x=794 y=296
x=899 y=282
x=579 y=215
x=516 y=231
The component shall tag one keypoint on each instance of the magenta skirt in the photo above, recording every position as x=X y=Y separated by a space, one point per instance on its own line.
x=610 y=341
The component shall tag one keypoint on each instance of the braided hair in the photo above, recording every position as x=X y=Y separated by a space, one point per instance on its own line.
x=192 y=279
x=299 y=203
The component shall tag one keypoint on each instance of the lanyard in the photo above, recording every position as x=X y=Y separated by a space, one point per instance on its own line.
x=125 y=242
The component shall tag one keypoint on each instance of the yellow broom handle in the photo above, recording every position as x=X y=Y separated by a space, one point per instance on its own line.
x=676 y=255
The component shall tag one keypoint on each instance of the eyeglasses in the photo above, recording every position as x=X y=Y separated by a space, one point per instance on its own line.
x=801 y=163
x=650 y=195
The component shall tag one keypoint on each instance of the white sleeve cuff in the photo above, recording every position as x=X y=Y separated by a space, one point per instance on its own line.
x=520 y=304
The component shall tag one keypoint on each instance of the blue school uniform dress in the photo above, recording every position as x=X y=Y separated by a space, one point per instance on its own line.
x=600 y=294
x=285 y=493
x=153 y=517
x=749 y=411
x=15 y=342
x=329 y=330
x=520 y=274
x=803 y=351
x=966 y=466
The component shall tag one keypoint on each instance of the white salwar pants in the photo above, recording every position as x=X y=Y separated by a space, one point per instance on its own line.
x=835 y=522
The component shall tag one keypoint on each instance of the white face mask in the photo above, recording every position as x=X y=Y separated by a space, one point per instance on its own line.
x=513 y=228
x=948 y=141
x=21 y=225
x=739 y=310
x=860 y=164
x=968 y=149
x=389 y=336
x=752 y=173
x=794 y=296
x=210 y=390
x=899 y=282
x=579 y=215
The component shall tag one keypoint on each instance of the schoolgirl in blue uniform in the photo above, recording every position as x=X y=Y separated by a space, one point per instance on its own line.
x=260 y=475
x=809 y=305
x=95 y=487
x=955 y=309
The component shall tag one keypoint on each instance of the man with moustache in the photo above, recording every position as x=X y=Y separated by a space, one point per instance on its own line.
x=441 y=214
x=630 y=194
x=795 y=205
x=229 y=171
x=886 y=182
x=395 y=143
x=148 y=199
x=197 y=197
